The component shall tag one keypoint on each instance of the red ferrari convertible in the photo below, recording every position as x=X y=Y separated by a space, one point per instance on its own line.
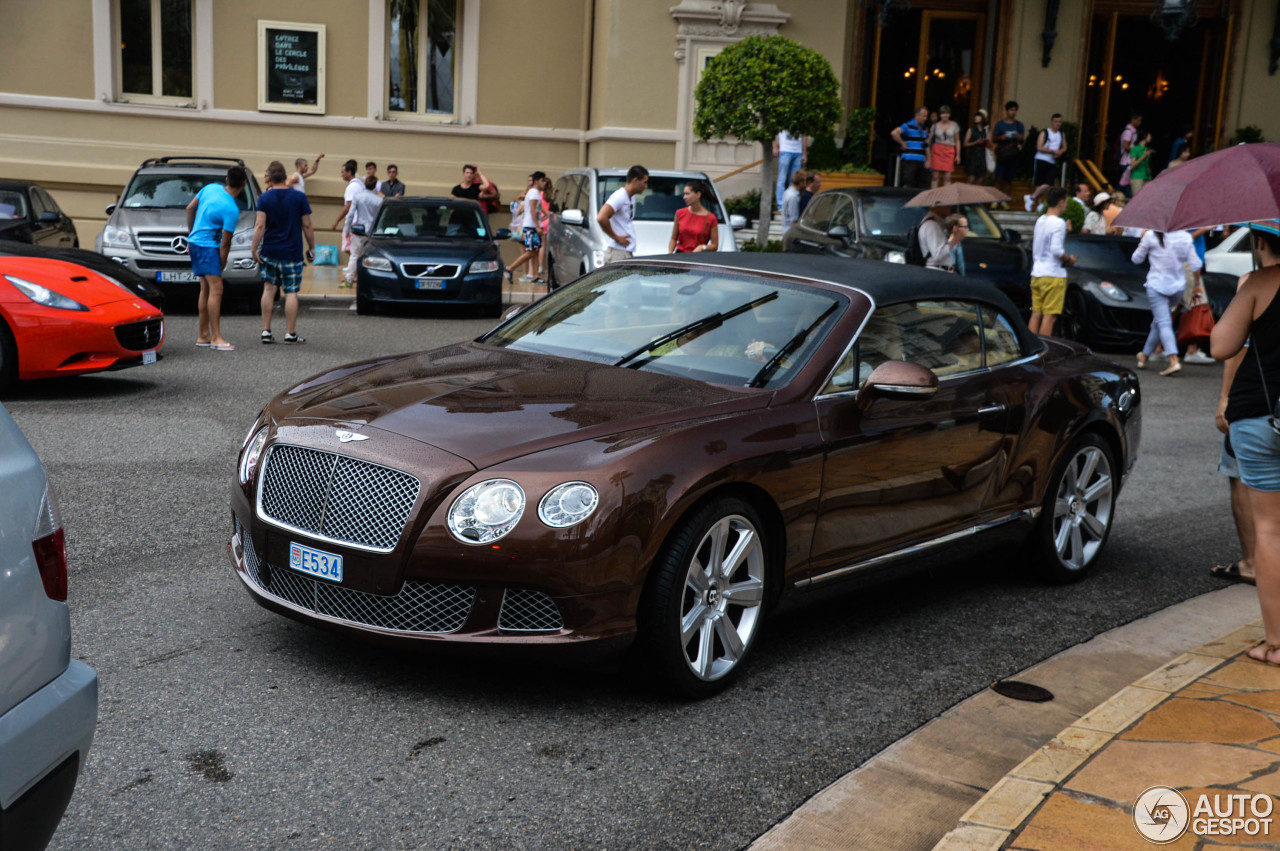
x=58 y=318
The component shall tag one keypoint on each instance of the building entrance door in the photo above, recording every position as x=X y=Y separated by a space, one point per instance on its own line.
x=932 y=54
x=1177 y=86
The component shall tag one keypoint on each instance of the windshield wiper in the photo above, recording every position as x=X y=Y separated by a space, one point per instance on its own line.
x=713 y=320
x=792 y=345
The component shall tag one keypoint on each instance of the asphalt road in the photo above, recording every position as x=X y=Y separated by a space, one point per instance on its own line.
x=225 y=726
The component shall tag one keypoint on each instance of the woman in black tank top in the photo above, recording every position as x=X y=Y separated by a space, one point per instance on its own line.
x=1254 y=315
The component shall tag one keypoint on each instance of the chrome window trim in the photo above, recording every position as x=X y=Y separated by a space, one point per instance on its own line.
x=264 y=517
x=924 y=546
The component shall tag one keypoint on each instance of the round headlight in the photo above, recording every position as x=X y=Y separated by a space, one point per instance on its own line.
x=487 y=511
x=252 y=452
x=567 y=504
x=1112 y=291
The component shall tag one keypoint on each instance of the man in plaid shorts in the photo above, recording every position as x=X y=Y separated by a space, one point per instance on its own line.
x=284 y=218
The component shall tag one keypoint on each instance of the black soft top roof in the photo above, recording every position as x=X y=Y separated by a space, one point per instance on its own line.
x=885 y=283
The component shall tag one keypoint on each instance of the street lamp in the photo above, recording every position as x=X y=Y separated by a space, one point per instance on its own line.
x=1174 y=16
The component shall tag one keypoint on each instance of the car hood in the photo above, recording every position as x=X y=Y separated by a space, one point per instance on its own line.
x=403 y=248
x=488 y=405
x=71 y=280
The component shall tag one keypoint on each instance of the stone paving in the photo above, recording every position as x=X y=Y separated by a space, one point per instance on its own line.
x=1207 y=723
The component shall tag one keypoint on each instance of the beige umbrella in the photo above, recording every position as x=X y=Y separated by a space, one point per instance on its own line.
x=956 y=194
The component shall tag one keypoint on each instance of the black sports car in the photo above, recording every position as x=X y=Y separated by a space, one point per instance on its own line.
x=873 y=223
x=1106 y=302
x=29 y=214
x=430 y=251
x=104 y=266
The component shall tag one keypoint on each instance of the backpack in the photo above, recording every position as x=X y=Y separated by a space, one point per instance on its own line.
x=914 y=253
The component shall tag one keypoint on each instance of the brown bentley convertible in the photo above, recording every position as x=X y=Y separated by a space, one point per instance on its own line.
x=660 y=451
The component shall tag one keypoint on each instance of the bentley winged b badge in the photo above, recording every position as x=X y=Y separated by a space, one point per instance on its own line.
x=348 y=436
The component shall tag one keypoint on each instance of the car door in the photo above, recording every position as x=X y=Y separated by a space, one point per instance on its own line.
x=897 y=472
x=575 y=242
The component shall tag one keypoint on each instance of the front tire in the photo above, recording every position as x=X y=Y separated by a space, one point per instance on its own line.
x=1074 y=319
x=364 y=305
x=704 y=607
x=1078 y=511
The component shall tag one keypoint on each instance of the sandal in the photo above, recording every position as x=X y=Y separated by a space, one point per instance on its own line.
x=1142 y=360
x=1231 y=573
x=1266 y=654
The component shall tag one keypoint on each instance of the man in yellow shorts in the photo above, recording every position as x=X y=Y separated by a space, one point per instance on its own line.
x=1049 y=264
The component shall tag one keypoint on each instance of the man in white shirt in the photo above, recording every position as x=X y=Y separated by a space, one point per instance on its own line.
x=791 y=201
x=298 y=180
x=1051 y=146
x=354 y=185
x=364 y=209
x=791 y=152
x=617 y=216
x=1048 y=264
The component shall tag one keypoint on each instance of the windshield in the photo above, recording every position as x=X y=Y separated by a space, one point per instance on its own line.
x=659 y=202
x=888 y=215
x=435 y=221
x=1103 y=253
x=628 y=316
x=12 y=206
x=175 y=191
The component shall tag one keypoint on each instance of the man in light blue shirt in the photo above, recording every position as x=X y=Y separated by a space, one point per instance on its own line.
x=211 y=222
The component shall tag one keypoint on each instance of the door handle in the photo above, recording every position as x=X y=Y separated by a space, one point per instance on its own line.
x=989 y=409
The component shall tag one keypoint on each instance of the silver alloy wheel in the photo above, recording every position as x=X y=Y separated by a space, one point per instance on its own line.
x=1082 y=508
x=723 y=597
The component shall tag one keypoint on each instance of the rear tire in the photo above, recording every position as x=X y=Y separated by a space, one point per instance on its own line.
x=8 y=358
x=705 y=602
x=1077 y=513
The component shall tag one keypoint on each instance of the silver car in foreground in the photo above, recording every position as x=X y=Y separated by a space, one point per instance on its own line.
x=575 y=242
x=48 y=701
x=147 y=228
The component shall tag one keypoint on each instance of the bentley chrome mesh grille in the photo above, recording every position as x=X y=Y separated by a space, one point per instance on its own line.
x=425 y=607
x=336 y=497
x=528 y=611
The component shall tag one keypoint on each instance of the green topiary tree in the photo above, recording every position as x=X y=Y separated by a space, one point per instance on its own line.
x=759 y=87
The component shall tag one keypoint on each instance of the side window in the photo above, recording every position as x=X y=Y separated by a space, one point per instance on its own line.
x=46 y=201
x=818 y=213
x=37 y=203
x=843 y=214
x=579 y=189
x=998 y=337
x=942 y=336
x=880 y=341
x=559 y=195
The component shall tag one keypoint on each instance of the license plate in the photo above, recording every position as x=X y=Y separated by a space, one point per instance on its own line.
x=148 y=357
x=429 y=284
x=315 y=562
x=176 y=277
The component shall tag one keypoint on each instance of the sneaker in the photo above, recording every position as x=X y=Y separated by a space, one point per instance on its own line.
x=267 y=338
x=1198 y=357
x=352 y=308
x=527 y=278
x=1027 y=202
x=294 y=338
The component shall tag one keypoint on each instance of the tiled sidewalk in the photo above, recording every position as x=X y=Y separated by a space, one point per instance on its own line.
x=1208 y=722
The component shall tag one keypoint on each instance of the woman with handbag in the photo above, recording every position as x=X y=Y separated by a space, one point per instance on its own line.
x=696 y=228
x=1254 y=421
x=1166 y=281
x=979 y=158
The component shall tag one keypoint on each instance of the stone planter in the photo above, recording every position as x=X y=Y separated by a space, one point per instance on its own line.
x=842 y=180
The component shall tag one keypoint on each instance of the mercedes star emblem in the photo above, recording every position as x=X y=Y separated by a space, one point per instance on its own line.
x=348 y=436
x=179 y=244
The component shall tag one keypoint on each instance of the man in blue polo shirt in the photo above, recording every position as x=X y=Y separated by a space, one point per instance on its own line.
x=914 y=141
x=211 y=222
x=282 y=220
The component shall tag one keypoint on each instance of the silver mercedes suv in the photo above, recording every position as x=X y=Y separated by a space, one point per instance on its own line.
x=147 y=229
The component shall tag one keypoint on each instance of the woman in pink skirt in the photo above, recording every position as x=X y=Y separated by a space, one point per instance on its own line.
x=944 y=148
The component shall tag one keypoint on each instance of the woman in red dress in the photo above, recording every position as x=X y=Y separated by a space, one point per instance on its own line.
x=696 y=228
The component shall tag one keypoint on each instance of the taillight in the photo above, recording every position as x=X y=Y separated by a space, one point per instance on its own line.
x=50 y=546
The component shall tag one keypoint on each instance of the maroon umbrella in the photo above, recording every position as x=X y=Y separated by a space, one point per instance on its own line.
x=1238 y=184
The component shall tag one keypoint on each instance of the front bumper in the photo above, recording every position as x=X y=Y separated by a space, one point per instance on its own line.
x=1113 y=328
x=55 y=343
x=505 y=618
x=483 y=289
x=241 y=275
